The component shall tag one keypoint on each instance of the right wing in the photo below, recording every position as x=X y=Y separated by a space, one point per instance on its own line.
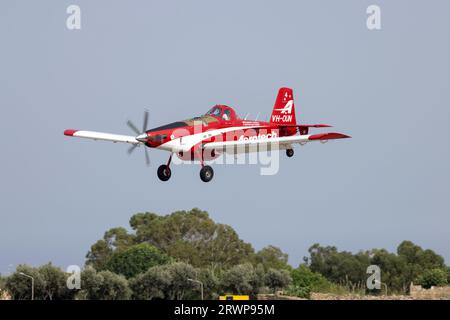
x=255 y=145
x=101 y=136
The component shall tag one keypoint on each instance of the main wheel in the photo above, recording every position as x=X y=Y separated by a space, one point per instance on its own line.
x=164 y=172
x=289 y=152
x=206 y=173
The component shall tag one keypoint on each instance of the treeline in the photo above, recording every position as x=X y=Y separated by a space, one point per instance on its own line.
x=162 y=256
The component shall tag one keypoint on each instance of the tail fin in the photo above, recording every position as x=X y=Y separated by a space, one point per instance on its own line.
x=284 y=109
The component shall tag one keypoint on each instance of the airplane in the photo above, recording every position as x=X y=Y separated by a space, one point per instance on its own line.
x=219 y=131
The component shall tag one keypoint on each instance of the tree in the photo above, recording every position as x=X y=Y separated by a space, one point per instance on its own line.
x=54 y=283
x=153 y=284
x=103 y=285
x=277 y=279
x=169 y=281
x=189 y=236
x=394 y=270
x=433 y=278
x=417 y=261
x=179 y=273
x=193 y=237
x=422 y=259
x=272 y=257
x=114 y=287
x=114 y=240
x=338 y=266
x=210 y=278
x=241 y=279
x=136 y=259
x=19 y=286
x=397 y=270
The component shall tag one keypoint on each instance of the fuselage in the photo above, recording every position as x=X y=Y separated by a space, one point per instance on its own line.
x=219 y=124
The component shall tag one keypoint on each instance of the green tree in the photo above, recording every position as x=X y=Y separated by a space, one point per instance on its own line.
x=241 y=279
x=417 y=261
x=19 y=286
x=277 y=279
x=189 y=236
x=339 y=267
x=180 y=286
x=193 y=237
x=54 y=283
x=103 y=285
x=433 y=277
x=153 y=284
x=272 y=257
x=210 y=277
x=136 y=259
x=114 y=240
x=169 y=281
x=394 y=270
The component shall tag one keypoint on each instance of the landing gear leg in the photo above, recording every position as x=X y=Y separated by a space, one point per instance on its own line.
x=164 y=171
x=290 y=152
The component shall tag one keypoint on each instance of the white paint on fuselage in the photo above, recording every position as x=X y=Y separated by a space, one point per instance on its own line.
x=185 y=143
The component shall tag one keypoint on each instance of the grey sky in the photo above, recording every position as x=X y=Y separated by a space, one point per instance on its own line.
x=389 y=89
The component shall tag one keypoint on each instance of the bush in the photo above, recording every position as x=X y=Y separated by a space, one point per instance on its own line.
x=305 y=281
x=432 y=278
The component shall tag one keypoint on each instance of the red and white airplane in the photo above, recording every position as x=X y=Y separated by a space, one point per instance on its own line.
x=219 y=130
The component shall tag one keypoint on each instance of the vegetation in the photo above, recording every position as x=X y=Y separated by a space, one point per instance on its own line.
x=162 y=256
x=398 y=270
x=103 y=285
x=432 y=277
x=135 y=260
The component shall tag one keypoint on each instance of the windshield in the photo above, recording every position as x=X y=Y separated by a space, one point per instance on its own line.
x=215 y=111
x=206 y=120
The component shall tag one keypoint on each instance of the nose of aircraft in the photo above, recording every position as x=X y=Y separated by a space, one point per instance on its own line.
x=142 y=137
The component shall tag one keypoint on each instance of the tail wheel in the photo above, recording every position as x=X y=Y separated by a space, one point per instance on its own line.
x=206 y=173
x=289 y=152
x=164 y=172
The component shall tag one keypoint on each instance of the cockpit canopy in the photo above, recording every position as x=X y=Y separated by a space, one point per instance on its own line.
x=222 y=112
x=214 y=115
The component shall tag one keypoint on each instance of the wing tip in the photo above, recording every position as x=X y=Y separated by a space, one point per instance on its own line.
x=69 y=132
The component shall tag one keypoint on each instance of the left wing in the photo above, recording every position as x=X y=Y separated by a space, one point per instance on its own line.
x=101 y=136
x=244 y=146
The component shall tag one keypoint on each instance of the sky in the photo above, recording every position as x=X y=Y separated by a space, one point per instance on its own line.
x=389 y=89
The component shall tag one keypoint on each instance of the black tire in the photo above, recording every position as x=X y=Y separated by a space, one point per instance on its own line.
x=164 y=172
x=290 y=152
x=206 y=173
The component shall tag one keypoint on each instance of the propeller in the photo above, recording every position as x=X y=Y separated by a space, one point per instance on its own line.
x=141 y=136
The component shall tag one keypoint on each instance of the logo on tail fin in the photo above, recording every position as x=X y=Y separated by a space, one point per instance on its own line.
x=287 y=108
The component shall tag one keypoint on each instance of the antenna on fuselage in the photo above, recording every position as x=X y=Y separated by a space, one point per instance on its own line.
x=245 y=118
x=257 y=116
